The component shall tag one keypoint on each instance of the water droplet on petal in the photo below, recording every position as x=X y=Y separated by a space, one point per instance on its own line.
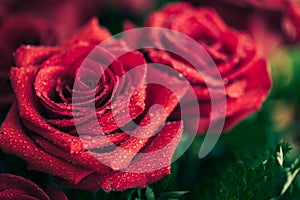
x=180 y=76
x=225 y=81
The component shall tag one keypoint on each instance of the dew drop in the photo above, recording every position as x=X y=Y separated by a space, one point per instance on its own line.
x=1 y=132
x=225 y=81
x=180 y=76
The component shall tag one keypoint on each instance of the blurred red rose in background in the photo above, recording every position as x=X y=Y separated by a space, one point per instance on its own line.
x=131 y=7
x=40 y=125
x=14 y=31
x=240 y=63
x=63 y=16
x=39 y=23
x=16 y=187
x=270 y=22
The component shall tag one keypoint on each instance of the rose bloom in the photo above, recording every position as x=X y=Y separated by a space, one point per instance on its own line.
x=16 y=187
x=270 y=22
x=14 y=31
x=40 y=127
x=64 y=16
x=133 y=8
x=36 y=22
x=244 y=71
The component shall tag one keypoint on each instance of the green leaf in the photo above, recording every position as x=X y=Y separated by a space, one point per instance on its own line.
x=291 y=174
x=149 y=194
x=266 y=176
x=222 y=191
x=130 y=194
x=139 y=192
x=172 y=195
x=161 y=185
x=293 y=193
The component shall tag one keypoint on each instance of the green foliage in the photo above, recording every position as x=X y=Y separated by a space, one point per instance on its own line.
x=149 y=194
x=293 y=193
x=265 y=176
x=161 y=185
x=155 y=191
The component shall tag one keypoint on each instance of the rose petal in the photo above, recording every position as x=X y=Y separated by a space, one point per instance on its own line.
x=28 y=105
x=90 y=33
x=15 y=141
x=55 y=194
x=32 y=55
x=12 y=186
x=149 y=166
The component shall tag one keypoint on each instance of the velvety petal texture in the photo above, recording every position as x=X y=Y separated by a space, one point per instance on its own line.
x=244 y=70
x=87 y=130
x=14 y=187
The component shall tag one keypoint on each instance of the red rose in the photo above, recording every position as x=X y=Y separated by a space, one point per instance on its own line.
x=15 y=187
x=243 y=70
x=37 y=23
x=269 y=22
x=40 y=127
x=14 y=31
x=64 y=16
x=291 y=20
x=131 y=7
